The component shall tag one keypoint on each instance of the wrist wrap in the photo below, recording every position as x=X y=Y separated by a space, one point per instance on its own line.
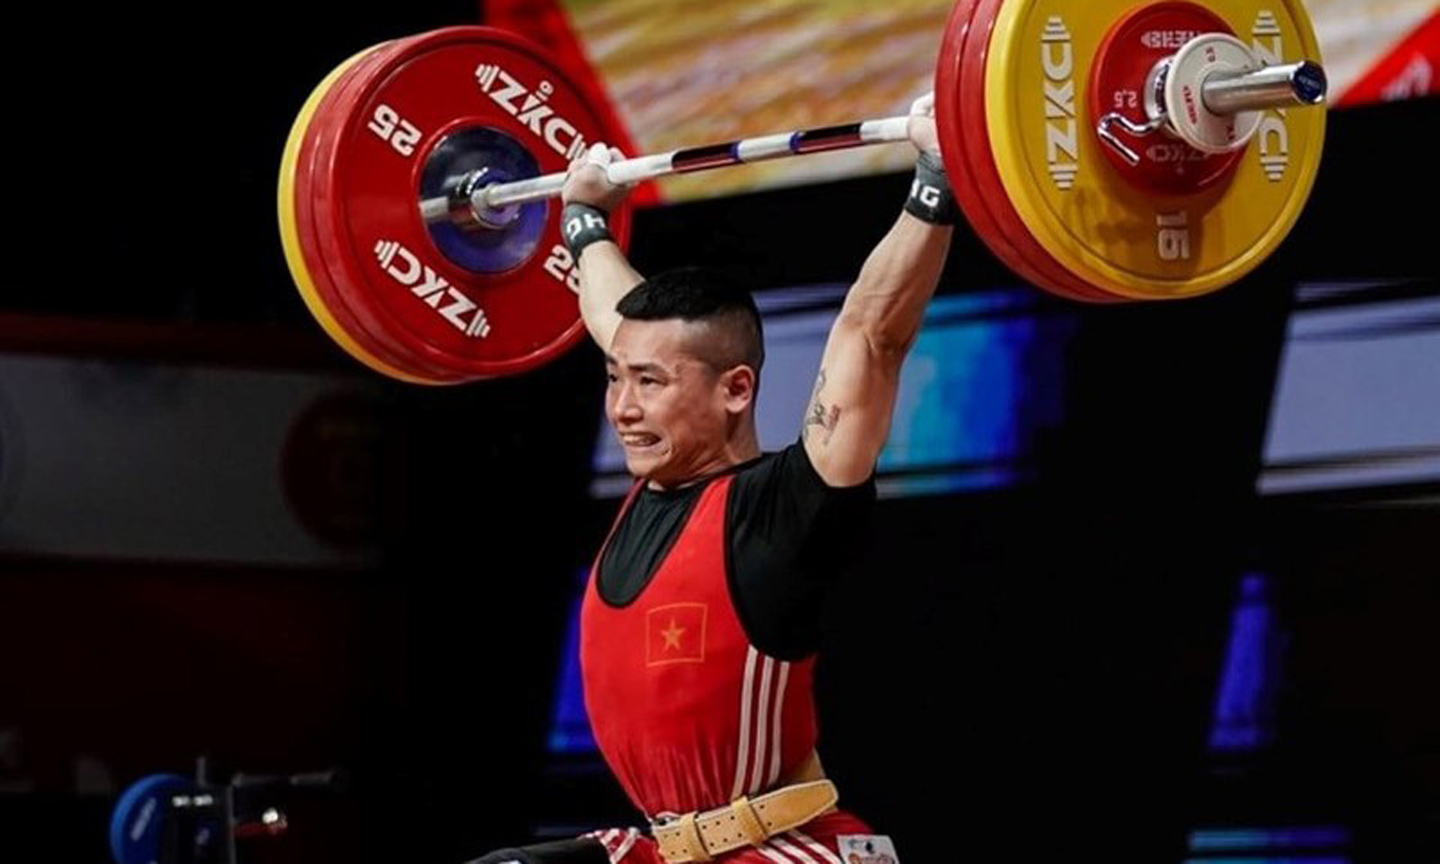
x=581 y=225
x=930 y=197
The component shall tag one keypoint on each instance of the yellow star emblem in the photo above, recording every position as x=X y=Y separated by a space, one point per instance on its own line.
x=672 y=635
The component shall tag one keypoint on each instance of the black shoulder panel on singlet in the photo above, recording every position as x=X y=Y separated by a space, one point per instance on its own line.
x=642 y=540
x=790 y=535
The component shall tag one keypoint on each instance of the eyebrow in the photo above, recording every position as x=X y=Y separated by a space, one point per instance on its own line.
x=637 y=367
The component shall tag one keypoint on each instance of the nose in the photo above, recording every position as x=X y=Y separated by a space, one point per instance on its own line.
x=624 y=407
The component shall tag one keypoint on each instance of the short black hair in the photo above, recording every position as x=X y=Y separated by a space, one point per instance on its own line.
x=697 y=294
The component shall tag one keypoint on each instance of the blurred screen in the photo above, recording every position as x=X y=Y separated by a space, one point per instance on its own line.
x=153 y=461
x=570 y=725
x=1357 y=399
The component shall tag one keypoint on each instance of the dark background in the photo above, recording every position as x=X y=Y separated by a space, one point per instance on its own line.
x=1009 y=675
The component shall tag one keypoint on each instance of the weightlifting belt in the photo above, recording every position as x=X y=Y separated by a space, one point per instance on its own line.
x=744 y=822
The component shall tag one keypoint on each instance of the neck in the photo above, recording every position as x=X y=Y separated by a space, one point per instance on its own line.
x=743 y=446
x=739 y=449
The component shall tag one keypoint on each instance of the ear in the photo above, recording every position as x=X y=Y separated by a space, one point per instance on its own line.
x=738 y=386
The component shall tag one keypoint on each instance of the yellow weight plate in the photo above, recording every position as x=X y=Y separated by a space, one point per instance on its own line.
x=1103 y=229
x=290 y=232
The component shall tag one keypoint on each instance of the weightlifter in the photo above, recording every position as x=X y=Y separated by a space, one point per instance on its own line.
x=699 y=624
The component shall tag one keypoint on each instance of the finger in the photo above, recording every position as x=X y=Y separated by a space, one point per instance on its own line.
x=617 y=155
x=599 y=154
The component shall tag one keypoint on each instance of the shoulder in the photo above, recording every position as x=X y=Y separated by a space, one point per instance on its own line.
x=790 y=472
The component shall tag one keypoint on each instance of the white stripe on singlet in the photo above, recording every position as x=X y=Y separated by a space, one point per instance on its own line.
x=619 y=854
x=794 y=851
x=773 y=854
x=775 y=724
x=757 y=772
x=747 y=693
x=815 y=846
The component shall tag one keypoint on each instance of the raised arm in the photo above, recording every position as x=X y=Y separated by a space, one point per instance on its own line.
x=605 y=273
x=849 y=415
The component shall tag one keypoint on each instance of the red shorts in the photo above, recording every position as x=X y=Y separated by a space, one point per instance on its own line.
x=812 y=843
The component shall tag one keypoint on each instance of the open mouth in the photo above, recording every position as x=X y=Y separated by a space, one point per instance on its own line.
x=638 y=440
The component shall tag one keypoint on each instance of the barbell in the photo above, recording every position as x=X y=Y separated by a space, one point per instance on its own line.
x=1104 y=153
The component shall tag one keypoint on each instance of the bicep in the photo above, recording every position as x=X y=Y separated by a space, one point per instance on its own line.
x=848 y=417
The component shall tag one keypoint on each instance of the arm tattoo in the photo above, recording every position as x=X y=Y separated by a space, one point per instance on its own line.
x=821 y=415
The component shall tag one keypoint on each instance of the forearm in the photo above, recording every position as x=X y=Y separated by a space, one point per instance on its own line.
x=605 y=274
x=887 y=301
x=605 y=277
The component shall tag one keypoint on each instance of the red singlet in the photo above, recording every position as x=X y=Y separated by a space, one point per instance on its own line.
x=686 y=711
x=688 y=714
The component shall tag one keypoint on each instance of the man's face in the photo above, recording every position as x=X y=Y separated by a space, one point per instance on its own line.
x=671 y=411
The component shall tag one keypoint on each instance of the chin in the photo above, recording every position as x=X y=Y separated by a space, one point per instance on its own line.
x=653 y=471
x=644 y=469
x=649 y=463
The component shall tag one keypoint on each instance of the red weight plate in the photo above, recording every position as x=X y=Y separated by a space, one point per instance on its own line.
x=960 y=113
x=489 y=304
x=384 y=356
x=1168 y=166
x=356 y=318
x=293 y=244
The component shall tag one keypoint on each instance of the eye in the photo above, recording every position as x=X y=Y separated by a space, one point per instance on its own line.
x=648 y=380
x=611 y=377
